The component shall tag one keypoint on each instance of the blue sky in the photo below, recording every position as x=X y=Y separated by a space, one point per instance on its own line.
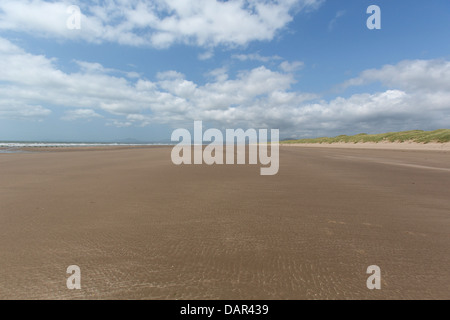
x=139 y=69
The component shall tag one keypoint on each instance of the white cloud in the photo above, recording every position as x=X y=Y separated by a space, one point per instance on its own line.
x=417 y=96
x=219 y=74
x=255 y=57
x=206 y=55
x=92 y=67
x=13 y=109
x=34 y=79
x=411 y=75
x=77 y=114
x=159 y=23
x=287 y=66
x=119 y=124
x=333 y=22
x=132 y=75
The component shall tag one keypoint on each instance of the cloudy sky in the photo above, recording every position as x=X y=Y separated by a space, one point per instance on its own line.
x=139 y=69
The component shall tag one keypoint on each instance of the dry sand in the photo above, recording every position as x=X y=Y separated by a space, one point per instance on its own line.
x=140 y=227
x=385 y=145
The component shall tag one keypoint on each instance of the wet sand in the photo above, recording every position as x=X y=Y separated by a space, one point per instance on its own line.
x=140 y=227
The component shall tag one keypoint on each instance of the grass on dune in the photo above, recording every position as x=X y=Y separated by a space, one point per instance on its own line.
x=420 y=136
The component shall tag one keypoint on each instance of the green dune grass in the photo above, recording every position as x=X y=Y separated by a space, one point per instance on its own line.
x=420 y=136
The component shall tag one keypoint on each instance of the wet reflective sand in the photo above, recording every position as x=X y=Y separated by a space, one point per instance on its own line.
x=140 y=227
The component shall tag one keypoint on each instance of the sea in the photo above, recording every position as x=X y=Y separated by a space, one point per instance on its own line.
x=16 y=146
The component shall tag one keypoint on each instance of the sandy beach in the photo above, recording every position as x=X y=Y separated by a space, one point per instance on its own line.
x=385 y=145
x=140 y=227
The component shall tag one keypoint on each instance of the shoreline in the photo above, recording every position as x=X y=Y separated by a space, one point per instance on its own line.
x=411 y=146
x=9 y=150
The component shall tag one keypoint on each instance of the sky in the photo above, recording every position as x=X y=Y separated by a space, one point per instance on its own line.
x=141 y=69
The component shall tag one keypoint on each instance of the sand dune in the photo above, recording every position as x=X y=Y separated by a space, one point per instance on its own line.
x=385 y=145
